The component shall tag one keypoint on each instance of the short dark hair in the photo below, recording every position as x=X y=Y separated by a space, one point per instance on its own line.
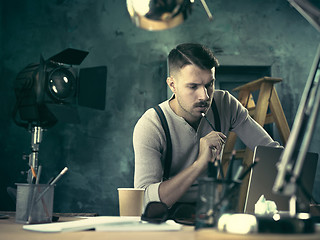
x=191 y=53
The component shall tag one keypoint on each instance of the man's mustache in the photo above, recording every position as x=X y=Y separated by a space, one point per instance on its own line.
x=202 y=104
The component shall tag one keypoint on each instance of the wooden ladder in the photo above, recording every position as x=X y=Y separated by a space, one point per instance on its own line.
x=268 y=98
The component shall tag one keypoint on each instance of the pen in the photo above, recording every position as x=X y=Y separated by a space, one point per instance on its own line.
x=236 y=176
x=230 y=168
x=52 y=183
x=205 y=117
x=59 y=176
x=219 y=157
x=242 y=176
x=38 y=174
x=34 y=175
x=50 y=180
x=37 y=177
x=220 y=165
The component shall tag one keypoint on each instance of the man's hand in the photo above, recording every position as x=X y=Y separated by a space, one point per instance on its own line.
x=210 y=146
x=172 y=190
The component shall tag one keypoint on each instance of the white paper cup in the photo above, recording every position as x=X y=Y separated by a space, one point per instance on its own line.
x=130 y=201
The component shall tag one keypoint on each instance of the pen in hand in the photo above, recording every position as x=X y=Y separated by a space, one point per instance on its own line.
x=205 y=117
x=213 y=128
x=219 y=157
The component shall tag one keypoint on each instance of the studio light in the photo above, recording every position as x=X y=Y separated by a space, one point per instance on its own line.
x=61 y=84
x=50 y=91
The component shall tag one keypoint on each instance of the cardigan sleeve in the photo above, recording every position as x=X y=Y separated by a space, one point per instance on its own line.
x=149 y=145
x=237 y=119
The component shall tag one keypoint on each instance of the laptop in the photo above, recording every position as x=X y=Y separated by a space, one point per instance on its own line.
x=264 y=174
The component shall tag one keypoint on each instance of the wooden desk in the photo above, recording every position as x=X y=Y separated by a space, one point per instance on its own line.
x=11 y=230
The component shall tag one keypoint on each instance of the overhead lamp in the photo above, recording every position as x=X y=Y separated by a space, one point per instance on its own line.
x=154 y=15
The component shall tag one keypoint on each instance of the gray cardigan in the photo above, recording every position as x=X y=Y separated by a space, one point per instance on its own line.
x=149 y=141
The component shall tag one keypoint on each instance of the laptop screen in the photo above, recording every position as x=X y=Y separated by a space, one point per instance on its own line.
x=263 y=175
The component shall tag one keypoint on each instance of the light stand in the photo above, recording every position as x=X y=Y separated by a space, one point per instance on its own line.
x=50 y=91
x=36 y=138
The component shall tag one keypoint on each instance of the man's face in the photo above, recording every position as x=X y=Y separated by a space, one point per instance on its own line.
x=193 y=88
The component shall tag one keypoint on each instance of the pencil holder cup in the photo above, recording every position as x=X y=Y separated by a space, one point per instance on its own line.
x=34 y=203
x=215 y=197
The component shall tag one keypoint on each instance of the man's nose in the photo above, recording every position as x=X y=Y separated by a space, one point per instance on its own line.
x=204 y=95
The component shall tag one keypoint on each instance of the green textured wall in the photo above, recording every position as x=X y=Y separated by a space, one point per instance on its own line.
x=99 y=151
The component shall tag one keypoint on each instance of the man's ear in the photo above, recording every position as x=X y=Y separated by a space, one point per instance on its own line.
x=171 y=83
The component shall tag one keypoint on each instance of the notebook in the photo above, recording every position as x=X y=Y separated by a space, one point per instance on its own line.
x=264 y=174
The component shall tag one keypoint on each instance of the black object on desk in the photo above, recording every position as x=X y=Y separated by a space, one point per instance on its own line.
x=4 y=216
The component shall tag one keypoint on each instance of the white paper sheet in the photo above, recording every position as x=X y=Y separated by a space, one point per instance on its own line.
x=110 y=223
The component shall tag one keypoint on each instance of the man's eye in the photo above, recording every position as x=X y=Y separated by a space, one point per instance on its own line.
x=193 y=86
x=209 y=85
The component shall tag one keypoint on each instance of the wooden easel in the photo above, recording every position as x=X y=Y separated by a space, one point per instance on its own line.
x=268 y=98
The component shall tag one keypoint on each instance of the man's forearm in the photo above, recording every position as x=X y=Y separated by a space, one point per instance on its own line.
x=171 y=191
